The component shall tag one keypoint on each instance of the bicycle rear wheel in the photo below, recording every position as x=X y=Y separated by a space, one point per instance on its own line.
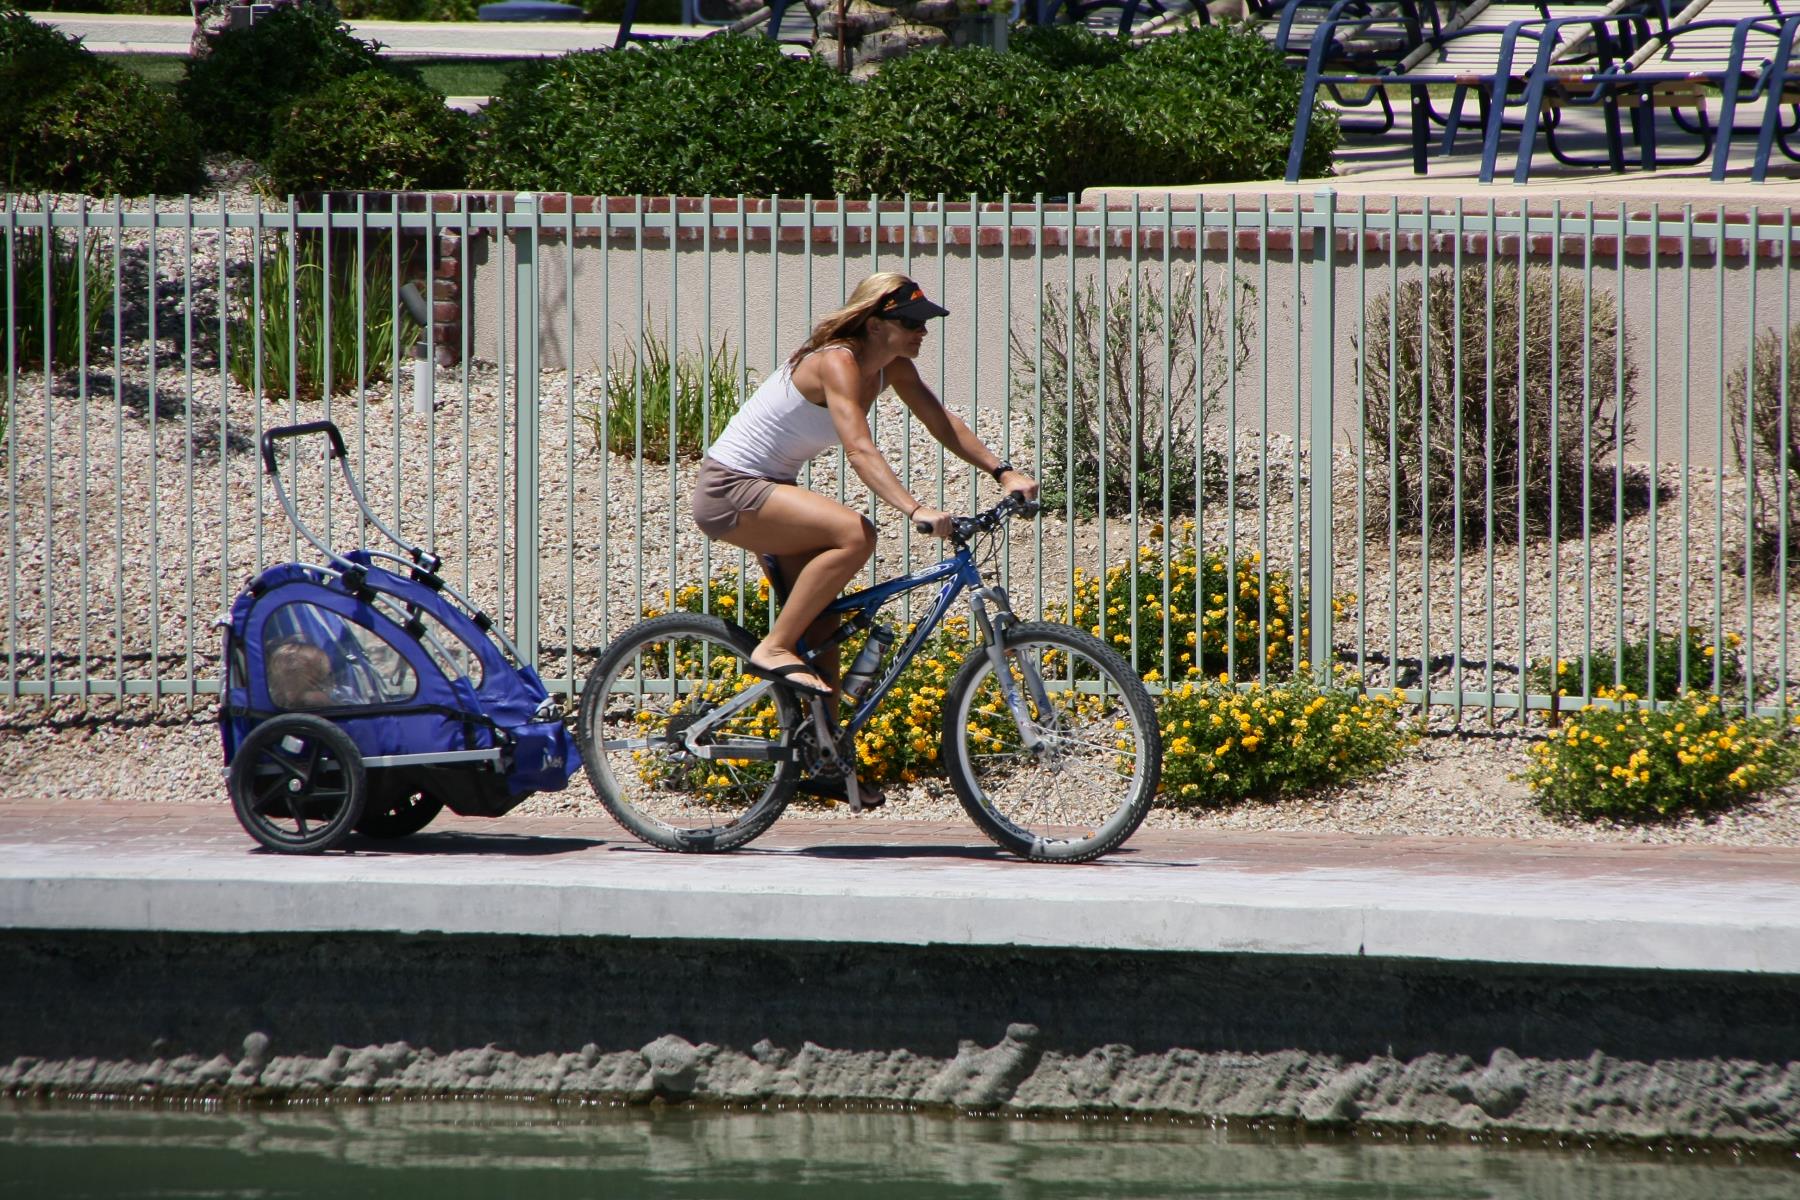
x=652 y=685
x=1090 y=779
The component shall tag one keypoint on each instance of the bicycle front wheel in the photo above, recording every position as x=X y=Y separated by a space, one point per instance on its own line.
x=662 y=760
x=1058 y=759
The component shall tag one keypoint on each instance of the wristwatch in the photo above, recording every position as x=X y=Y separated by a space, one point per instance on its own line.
x=1000 y=470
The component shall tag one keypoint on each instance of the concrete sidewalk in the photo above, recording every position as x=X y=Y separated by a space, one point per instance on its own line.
x=189 y=868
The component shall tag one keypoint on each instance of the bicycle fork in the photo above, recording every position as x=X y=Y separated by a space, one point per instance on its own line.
x=993 y=631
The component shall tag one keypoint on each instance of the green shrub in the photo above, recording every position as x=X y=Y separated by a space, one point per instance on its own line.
x=716 y=115
x=705 y=393
x=234 y=93
x=1210 y=104
x=1112 y=361
x=1221 y=744
x=1692 y=654
x=75 y=266
x=369 y=131
x=1228 y=616
x=1628 y=763
x=1587 y=421
x=1772 y=442
x=971 y=121
x=1067 y=47
x=294 y=332
x=72 y=122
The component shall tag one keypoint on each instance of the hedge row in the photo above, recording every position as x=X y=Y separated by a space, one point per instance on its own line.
x=327 y=111
x=321 y=109
x=1066 y=110
x=72 y=122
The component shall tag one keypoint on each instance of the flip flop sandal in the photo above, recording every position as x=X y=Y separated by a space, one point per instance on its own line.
x=784 y=676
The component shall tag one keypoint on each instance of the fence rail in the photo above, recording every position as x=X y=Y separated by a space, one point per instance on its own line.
x=1496 y=459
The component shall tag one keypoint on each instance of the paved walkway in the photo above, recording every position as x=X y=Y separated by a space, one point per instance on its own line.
x=151 y=866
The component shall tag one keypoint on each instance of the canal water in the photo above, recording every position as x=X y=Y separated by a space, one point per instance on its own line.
x=448 y=1150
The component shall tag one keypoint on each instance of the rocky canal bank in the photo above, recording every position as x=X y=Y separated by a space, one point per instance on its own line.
x=1321 y=1041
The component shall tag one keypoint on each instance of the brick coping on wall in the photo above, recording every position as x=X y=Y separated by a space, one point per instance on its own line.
x=1138 y=222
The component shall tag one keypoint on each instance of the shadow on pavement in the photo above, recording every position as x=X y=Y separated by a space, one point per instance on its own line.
x=448 y=843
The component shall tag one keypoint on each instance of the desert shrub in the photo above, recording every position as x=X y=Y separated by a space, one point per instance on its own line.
x=234 y=93
x=1086 y=354
x=1771 y=444
x=298 y=335
x=1586 y=412
x=705 y=396
x=714 y=115
x=76 y=266
x=1623 y=762
x=1231 y=606
x=971 y=121
x=1221 y=744
x=1209 y=104
x=72 y=122
x=369 y=131
x=1691 y=654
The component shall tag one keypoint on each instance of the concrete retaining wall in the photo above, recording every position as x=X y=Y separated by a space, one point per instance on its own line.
x=1328 y=1041
x=1688 y=320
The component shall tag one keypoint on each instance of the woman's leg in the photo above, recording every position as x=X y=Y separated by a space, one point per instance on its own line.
x=821 y=545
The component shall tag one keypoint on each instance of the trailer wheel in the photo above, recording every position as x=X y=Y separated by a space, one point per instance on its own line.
x=297 y=784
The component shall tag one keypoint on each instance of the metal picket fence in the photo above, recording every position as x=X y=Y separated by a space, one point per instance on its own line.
x=1495 y=459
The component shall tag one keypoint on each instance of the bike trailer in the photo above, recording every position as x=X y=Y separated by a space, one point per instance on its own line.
x=359 y=697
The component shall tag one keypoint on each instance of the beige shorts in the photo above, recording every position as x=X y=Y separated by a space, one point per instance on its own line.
x=721 y=495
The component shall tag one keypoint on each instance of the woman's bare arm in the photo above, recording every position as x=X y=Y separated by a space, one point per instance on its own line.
x=950 y=429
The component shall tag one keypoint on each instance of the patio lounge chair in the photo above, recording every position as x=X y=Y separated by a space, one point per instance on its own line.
x=1463 y=54
x=1745 y=54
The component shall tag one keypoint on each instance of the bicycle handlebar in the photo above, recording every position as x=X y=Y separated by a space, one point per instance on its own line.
x=964 y=528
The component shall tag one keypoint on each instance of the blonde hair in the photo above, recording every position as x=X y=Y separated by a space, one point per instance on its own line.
x=848 y=323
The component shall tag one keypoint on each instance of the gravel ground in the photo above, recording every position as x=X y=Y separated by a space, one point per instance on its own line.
x=1449 y=785
x=146 y=479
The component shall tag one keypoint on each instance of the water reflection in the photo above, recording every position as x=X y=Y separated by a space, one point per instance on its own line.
x=548 y=1152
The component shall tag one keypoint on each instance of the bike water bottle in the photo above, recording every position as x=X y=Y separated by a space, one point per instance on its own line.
x=862 y=672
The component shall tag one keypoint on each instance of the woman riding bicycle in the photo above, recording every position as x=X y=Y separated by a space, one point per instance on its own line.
x=746 y=492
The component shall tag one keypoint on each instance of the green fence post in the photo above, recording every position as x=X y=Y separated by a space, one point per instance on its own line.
x=525 y=429
x=1324 y=353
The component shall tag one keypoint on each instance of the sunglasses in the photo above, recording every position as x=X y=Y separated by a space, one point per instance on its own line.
x=910 y=324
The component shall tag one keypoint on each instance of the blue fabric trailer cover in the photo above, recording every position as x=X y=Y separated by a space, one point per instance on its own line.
x=427 y=712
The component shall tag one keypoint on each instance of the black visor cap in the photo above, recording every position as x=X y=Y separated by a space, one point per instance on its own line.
x=911 y=302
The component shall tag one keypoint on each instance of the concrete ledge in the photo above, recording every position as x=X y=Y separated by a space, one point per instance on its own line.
x=1135 y=902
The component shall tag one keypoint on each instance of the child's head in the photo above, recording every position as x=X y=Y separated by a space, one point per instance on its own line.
x=299 y=675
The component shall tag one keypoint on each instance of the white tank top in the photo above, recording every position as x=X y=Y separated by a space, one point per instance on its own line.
x=779 y=430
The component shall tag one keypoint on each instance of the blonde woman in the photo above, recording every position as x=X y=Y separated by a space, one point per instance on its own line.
x=746 y=491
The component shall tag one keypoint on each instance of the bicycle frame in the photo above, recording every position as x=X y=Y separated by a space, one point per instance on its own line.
x=957 y=573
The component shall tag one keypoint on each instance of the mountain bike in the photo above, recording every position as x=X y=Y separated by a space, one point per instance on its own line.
x=1050 y=739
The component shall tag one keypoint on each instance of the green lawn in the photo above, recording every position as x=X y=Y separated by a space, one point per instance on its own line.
x=451 y=76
